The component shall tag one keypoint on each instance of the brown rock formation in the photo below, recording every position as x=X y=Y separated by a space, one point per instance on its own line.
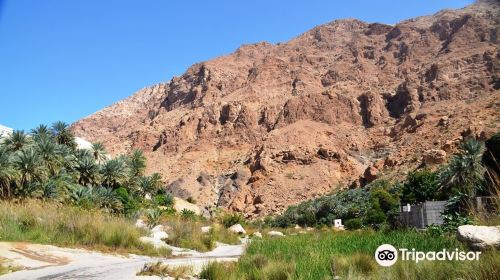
x=271 y=125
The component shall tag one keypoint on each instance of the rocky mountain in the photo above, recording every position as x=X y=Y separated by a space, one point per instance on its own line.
x=338 y=106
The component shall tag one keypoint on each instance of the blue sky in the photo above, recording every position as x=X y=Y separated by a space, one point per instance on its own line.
x=65 y=59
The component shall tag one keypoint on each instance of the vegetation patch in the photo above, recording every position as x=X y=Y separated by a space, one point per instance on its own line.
x=349 y=255
x=163 y=270
x=63 y=225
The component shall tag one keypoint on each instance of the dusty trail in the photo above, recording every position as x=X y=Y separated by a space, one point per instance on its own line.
x=45 y=262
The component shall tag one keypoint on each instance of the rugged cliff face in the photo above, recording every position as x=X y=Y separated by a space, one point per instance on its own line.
x=271 y=125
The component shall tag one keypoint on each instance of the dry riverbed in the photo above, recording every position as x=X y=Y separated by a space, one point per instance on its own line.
x=50 y=262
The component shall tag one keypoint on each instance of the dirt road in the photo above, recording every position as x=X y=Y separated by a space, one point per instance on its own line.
x=45 y=262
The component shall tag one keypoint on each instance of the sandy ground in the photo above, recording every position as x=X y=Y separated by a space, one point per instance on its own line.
x=51 y=262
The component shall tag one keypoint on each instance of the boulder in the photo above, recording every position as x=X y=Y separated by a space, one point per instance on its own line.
x=434 y=156
x=479 y=237
x=237 y=228
x=159 y=235
x=157 y=228
x=140 y=224
x=257 y=234
x=275 y=233
x=157 y=243
x=206 y=229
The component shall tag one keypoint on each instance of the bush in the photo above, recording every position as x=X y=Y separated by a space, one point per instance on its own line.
x=229 y=219
x=166 y=200
x=420 y=186
x=353 y=224
x=56 y=224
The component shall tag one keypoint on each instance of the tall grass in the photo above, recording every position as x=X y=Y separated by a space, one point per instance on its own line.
x=50 y=223
x=186 y=233
x=349 y=255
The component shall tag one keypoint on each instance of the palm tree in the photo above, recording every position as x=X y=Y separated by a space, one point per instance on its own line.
x=41 y=131
x=16 y=141
x=137 y=163
x=465 y=171
x=50 y=154
x=8 y=174
x=99 y=152
x=88 y=170
x=114 y=173
x=57 y=187
x=63 y=135
x=31 y=169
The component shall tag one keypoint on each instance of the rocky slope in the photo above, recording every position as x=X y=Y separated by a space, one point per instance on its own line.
x=338 y=106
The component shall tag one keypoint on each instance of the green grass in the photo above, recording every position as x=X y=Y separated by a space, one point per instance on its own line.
x=349 y=255
x=62 y=225
x=163 y=270
x=186 y=233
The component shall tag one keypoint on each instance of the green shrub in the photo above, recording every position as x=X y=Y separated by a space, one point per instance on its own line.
x=420 y=186
x=353 y=224
x=229 y=219
x=217 y=270
x=166 y=199
x=188 y=214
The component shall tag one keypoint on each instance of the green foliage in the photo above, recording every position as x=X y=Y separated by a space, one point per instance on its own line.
x=325 y=255
x=63 y=225
x=420 y=186
x=166 y=200
x=464 y=172
x=153 y=217
x=188 y=214
x=229 y=219
x=373 y=205
x=136 y=162
x=353 y=224
x=129 y=201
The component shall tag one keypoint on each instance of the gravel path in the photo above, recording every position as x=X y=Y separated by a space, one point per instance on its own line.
x=49 y=262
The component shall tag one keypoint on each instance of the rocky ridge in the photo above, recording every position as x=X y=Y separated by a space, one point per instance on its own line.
x=338 y=106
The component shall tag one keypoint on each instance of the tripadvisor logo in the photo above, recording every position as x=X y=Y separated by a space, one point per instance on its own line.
x=387 y=255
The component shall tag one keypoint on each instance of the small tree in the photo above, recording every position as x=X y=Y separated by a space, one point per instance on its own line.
x=464 y=173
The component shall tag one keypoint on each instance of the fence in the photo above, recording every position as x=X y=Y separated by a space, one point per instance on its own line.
x=423 y=214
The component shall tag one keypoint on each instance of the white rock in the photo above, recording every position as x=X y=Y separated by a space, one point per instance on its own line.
x=275 y=233
x=257 y=234
x=479 y=237
x=297 y=227
x=157 y=228
x=157 y=243
x=237 y=228
x=159 y=235
x=206 y=229
x=140 y=224
x=147 y=196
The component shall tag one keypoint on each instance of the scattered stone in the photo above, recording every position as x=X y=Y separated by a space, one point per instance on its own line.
x=159 y=235
x=297 y=227
x=479 y=237
x=237 y=228
x=157 y=228
x=257 y=234
x=157 y=243
x=140 y=224
x=443 y=121
x=434 y=156
x=275 y=233
x=206 y=229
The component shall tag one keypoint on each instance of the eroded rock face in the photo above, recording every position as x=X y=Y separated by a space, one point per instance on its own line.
x=434 y=156
x=296 y=120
